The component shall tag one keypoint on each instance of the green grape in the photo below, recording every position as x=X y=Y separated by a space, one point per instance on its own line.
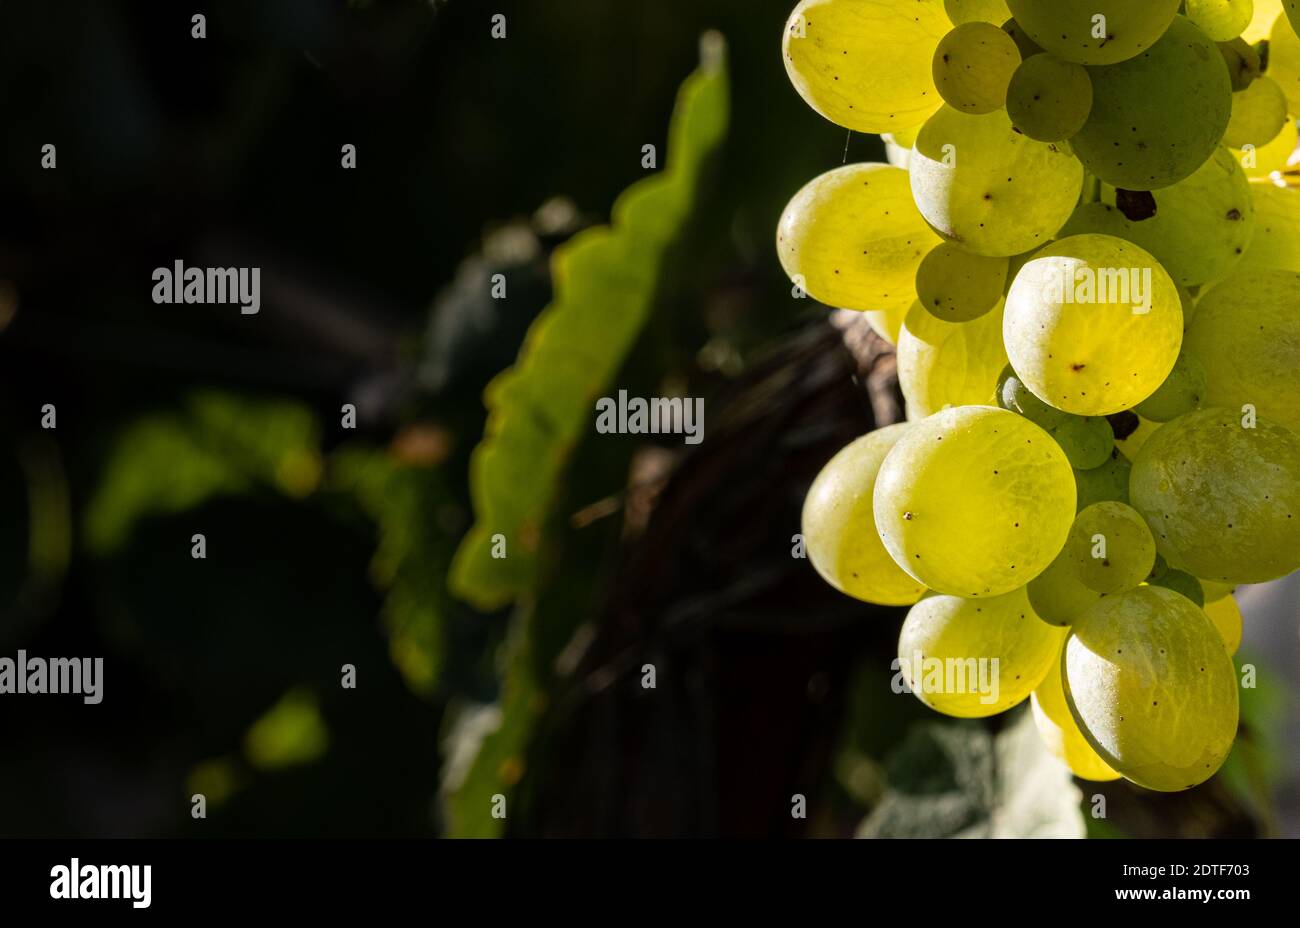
x=1258 y=114
x=1058 y=595
x=972 y=658
x=1049 y=98
x=1263 y=162
x=1246 y=334
x=1223 y=499
x=974 y=501
x=949 y=363
x=1086 y=440
x=1060 y=732
x=1093 y=324
x=1028 y=47
x=989 y=188
x=973 y=65
x=1215 y=591
x=1182 y=583
x=970 y=11
x=1015 y=263
x=1180 y=393
x=1221 y=20
x=1244 y=65
x=904 y=138
x=839 y=526
x=1226 y=616
x=1202 y=225
x=1111 y=547
x=887 y=323
x=1067 y=28
x=1156 y=118
x=865 y=66
x=1284 y=62
x=1261 y=24
x=1152 y=688
x=1160 y=568
x=957 y=286
x=1276 y=245
x=1108 y=482
x=1012 y=394
x=852 y=238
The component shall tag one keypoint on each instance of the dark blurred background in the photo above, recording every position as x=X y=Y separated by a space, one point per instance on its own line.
x=327 y=545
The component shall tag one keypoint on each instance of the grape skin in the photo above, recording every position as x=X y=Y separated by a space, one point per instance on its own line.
x=970 y=11
x=1258 y=114
x=1059 y=731
x=973 y=66
x=1246 y=335
x=1221 y=20
x=1065 y=27
x=839 y=526
x=949 y=363
x=932 y=499
x=1049 y=99
x=1057 y=594
x=1002 y=628
x=1152 y=688
x=993 y=191
x=1107 y=482
x=957 y=286
x=1096 y=358
x=1226 y=616
x=1223 y=500
x=865 y=64
x=1111 y=547
x=1176 y=95
x=855 y=238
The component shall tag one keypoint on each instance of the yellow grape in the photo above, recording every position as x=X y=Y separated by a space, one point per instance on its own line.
x=1061 y=733
x=1276 y=245
x=1258 y=114
x=1152 y=688
x=974 y=501
x=1226 y=616
x=1057 y=594
x=865 y=64
x=1221 y=20
x=1093 y=324
x=1215 y=591
x=1111 y=547
x=1049 y=98
x=1221 y=493
x=839 y=526
x=1068 y=28
x=852 y=238
x=973 y=66
x=1260 y=163
x=972 y=658
x=1284 y=62
x=970 y=11
x=988 y=188
x=957 y=286
x=1246 y=335
x=887 y=323
x=949 y=363
x=1261 y=23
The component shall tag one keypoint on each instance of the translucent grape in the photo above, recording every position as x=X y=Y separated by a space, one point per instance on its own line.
x=1284 y=62
x=957 y=286
x=1057 y=594
x=1182 y=583
x=1093 y=324
x=1221 y=20
x=1201 y=226
x=1028 y=47
x=1060 y=732
x=974 y=501
x=1222 y=499
x=1261 y=24
x=970 y=11
x=1179 y=394
x=1258 y=114
x=973 y=66
x=1246 y=334
x=1012 y=394
x=1107 y=482
x=887 y=323
x=1152 y=688
x=1049 y=99
x=1215 y=591
x=852 y=238
x=839 y=526
x=865 y=66
x=1086 y=440
x=1226 y=616
x=949 y=363
x=987 y=187
x=1066 y=27
x=972 y=658
x=1156 y=118
x=1111 y=547
x=1276 y=245
x=1275 y=156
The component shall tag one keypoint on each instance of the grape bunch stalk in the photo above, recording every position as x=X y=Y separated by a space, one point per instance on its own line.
x=1086 y=252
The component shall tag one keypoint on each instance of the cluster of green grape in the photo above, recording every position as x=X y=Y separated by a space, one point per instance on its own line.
x=1086 y=254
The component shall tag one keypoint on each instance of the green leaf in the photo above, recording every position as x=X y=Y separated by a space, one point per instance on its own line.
x=958 y=780
x=606 y=282
x=216 y=444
